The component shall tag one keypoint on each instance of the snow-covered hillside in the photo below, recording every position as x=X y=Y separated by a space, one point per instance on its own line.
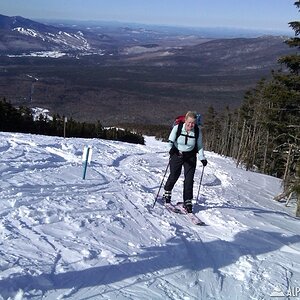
x=63 y=237
x=75 y=41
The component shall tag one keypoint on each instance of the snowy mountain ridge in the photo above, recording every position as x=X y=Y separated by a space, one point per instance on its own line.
x=23 y=34
x=63 y=237
x=64 y=39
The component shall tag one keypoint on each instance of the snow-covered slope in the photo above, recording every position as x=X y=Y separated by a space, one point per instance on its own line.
x=63 y=237
x=23 y=37
x=75 y=41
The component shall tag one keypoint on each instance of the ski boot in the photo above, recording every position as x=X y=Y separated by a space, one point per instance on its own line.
x=188 y=206
x=167 y=197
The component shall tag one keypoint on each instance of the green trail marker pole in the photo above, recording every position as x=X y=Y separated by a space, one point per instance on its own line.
x=86 y=157
x=65 y=125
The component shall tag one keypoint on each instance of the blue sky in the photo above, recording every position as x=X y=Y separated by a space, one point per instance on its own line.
x=250 y=14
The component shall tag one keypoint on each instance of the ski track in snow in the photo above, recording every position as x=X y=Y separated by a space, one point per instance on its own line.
x=63 y=237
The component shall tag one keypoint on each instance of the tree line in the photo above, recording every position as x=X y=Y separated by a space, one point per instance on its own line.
x=21 y=119
x=264 y=133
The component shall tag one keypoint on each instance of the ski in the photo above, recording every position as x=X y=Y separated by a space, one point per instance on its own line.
x=191 y=216
x=172 y=208
x=169 y=206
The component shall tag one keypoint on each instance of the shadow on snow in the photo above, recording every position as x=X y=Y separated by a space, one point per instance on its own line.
x=178 y=252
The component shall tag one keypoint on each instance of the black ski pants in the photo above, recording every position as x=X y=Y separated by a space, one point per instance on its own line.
x=188 y=161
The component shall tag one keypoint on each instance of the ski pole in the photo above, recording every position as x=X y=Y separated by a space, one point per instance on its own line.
x=161 y=184
x=200 y=184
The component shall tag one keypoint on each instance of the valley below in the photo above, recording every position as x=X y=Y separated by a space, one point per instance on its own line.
x=136 y=77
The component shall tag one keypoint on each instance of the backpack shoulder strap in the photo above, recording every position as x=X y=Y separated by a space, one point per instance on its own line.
x=196 y=129
x=197 y=132
x=179 y=129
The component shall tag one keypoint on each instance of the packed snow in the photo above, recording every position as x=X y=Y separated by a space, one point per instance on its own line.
x=63 y=237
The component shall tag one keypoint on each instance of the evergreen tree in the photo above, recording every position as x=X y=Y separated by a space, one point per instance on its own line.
x=290 y=114
x=21 y=120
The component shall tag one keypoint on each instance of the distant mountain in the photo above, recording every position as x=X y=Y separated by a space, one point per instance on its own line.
x=219 y=55
x=142 y=74
x=204 y=32
x=11 y=23
x=18 y=34
x=21 y=35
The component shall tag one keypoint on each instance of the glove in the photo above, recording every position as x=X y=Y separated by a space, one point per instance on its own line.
x=204 y=162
